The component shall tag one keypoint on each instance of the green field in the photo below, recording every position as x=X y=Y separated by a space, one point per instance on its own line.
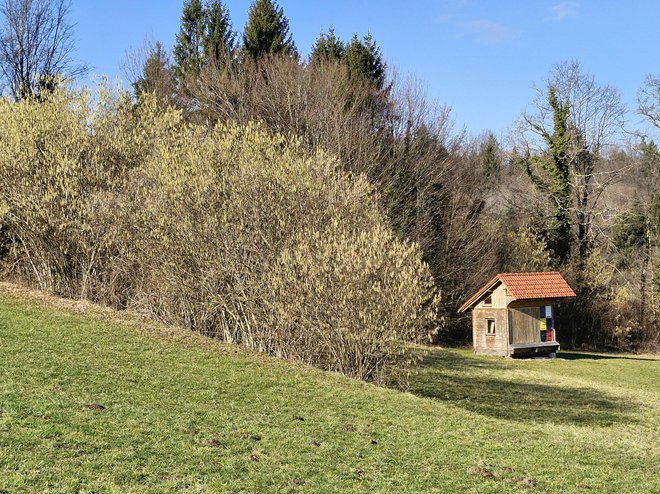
x=91 y=401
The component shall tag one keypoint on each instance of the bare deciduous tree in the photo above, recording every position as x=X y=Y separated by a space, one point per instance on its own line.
x=593 y=118
x=648 y=100
x=36 y=44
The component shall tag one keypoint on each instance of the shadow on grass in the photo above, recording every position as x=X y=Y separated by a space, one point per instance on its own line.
x=480 y=386
x=568 y=355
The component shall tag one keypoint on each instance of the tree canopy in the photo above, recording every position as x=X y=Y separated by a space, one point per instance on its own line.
x=328 y=48
x=205 y=37
x=365 y=61
x=267 y=31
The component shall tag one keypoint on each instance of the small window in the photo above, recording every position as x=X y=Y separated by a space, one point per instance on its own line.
x=488 y=300
x=490 y=326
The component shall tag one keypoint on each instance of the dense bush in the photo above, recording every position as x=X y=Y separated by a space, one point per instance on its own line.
x=337 y=280
x=231 y=231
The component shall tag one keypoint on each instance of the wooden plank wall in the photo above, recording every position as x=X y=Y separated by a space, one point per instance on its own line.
x=524 y=325
x=484 y=343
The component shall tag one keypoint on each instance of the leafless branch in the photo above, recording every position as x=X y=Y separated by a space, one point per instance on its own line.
x=36 y=46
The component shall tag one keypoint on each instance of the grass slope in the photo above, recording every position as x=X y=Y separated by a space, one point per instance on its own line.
x=98 y=403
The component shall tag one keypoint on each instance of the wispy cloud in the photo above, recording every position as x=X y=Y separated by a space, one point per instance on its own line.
x=443 y=19
x=563 y=10
x=487 y=31
x=484 y=31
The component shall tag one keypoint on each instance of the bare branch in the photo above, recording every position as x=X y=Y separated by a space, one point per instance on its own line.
x=648 y=100
x=36 y=46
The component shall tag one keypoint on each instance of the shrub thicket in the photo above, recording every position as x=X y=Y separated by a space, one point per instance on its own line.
x=231 y=231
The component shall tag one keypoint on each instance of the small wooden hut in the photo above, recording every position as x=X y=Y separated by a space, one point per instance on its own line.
x=512 y=314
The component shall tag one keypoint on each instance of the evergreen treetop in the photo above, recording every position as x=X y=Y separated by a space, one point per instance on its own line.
x=219 y=39
x=267 y=31
x=490 y=158
x=328 y=48
x=205 y=37
x=188 y=50
x=364 y=60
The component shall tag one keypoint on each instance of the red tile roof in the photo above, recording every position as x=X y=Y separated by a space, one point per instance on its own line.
x=525 y=286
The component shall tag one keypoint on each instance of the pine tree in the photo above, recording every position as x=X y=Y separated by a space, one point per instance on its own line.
x=218 y=38
x=267 y=31
x=365 y=61
x=327 y=48
x=189 y=47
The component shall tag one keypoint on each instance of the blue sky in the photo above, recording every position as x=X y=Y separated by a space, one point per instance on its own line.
x=480 y=57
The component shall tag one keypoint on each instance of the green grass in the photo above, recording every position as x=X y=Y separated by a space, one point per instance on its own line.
x=99 y=403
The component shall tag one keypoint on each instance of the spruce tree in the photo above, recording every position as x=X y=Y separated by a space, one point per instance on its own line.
x=490 y=158
x=218 y=37
x=189 y=47
x=365 y=61
x=267 y=31
x=328 y=48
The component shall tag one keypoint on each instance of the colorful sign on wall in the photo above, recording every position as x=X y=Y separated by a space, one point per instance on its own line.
x=545 y=323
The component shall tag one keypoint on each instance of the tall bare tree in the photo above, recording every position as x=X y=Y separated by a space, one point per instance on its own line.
x=36 y=46
x=567 y=140
x=648 y=100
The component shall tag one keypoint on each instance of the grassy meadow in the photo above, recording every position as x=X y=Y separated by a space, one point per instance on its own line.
x=95 y=401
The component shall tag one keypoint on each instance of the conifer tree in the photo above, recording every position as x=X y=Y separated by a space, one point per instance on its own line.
x=157 y=76
x=328 y=48
x=218 y=37
x=189 y=47
x=490 y=159
x=267 y=31
x=205 y=38
x=365 y=61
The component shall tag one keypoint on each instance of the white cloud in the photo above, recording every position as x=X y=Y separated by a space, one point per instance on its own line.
x=487 y=31
x=563 y=10
x=484 y=31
